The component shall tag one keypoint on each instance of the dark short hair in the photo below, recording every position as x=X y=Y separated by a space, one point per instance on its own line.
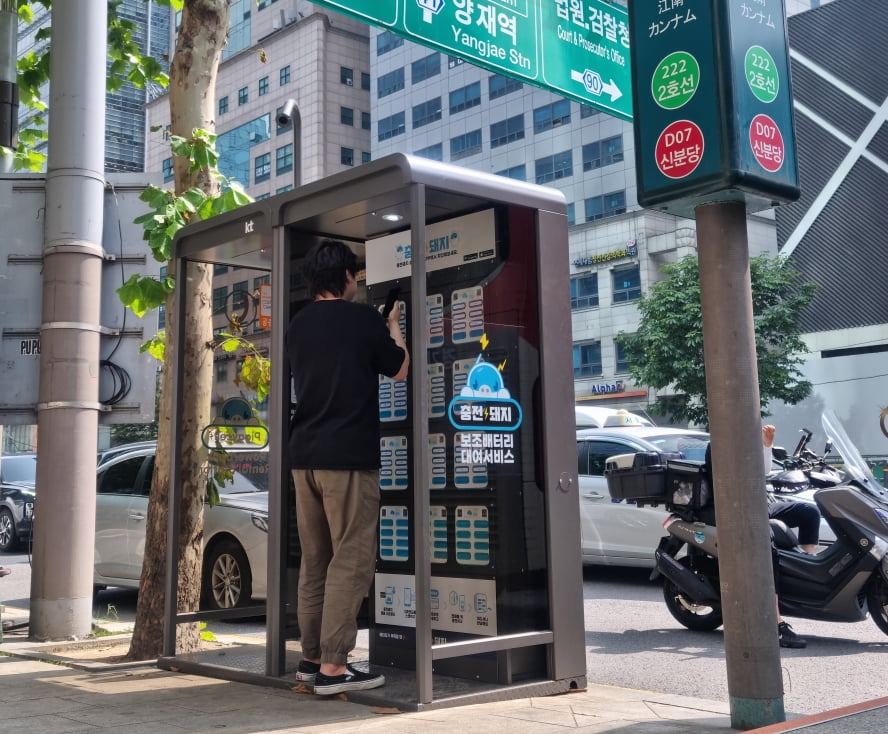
x=325 y=266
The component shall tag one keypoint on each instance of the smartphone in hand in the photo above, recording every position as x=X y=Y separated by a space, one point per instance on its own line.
x=390 y=301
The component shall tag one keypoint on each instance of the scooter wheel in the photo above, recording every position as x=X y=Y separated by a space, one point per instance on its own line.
x=877 y=601
x=690 y=614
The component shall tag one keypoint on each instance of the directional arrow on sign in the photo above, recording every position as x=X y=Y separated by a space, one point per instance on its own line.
x=613 y=90
x=594 y=84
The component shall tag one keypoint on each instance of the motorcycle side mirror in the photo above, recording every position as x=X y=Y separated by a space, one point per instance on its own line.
x=779 y=453
x=828 y=447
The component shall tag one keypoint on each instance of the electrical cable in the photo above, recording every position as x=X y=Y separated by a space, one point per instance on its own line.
x=121 y=380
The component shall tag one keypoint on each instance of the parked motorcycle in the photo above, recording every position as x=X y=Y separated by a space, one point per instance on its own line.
x=803 y=469
x=840 y=584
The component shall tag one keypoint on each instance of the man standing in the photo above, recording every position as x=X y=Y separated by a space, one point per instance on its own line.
x=337 y=349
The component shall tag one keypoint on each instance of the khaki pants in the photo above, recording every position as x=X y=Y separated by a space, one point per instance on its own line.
x=337 y=513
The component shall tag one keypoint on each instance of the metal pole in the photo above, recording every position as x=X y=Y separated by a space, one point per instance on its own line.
x=9 y=98
x=755 y=685
x=68 y=404
x=289 y=115
x=419 y=367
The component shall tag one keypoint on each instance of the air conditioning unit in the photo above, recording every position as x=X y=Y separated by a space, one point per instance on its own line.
x=349 y=82
x=275 y=24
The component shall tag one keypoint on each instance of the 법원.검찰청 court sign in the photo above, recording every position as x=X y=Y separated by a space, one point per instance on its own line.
x=577 y=48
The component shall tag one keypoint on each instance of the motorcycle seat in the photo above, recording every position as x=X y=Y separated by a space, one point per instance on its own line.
x=783 y=536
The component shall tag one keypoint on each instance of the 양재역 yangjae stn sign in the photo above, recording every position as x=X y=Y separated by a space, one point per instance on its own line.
x=713 y=104
x=577 y=48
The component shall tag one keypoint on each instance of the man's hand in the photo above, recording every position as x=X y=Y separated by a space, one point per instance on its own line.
x=768 y=433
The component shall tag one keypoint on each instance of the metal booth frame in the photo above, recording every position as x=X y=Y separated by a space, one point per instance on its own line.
x=348 y=206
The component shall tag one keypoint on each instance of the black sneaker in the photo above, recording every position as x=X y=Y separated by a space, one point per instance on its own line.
x=788 y=638
x=307 y=671
x=351 y=680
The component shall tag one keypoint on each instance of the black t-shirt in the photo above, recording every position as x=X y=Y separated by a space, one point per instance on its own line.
x=337 y=350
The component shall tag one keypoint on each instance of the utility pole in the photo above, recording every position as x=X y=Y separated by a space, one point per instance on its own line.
x=749 y=606
x=68 y=402
x=9 y=99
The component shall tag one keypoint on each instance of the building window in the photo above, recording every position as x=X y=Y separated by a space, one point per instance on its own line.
x=243 y=96
x=571 y=215
x=284 y=76
x=262 y=168
x=263 y=86
x=223 y=105
x=389 y=127
x=621 y=360
x=365 y=120
x=500 y=86
x=598 y=207
x=553 y=167
x=588 y=111
x=614 y=203
x=464 y=98
x=587 y=359
x=262 y=197
x=365 y=81
x=282 y=189
x=603 y=153
x=220 y=295
x=427 y=112
x=234 y=147
x=283 y=159
x=465 y=145
x=551 y=115
x=390 y=83
x=221 y=371
x=168 y=173
x=517 y=172
x=425 y=68
x=387 y=41
x=433 y=152
x=219 y=269
x=347 y=116
x=627 y=284
x=346 y=76
x=347 y=156
x=507 y=131
x=584 y=291
x=365 y=157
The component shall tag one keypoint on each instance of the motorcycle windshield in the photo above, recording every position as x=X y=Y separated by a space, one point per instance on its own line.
x=855 y=466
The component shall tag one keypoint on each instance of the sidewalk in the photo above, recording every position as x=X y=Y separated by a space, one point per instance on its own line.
x=40 y=694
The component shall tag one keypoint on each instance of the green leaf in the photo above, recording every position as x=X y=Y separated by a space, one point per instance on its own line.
x=156 y=346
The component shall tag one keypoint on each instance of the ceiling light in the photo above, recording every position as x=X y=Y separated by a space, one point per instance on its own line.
x=392 y=217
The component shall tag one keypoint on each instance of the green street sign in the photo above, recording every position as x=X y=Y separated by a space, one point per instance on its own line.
x=713 y=104
x=579 y=49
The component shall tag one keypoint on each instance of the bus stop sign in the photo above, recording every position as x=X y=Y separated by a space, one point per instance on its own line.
x=713 y=103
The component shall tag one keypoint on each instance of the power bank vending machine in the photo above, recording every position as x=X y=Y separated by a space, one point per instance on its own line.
x=486 y=509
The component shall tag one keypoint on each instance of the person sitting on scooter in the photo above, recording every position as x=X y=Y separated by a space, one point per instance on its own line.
x=801 y=515
x=785 y=633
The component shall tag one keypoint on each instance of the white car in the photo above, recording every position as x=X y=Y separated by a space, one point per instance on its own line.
x=235 y=531
x=617 y=532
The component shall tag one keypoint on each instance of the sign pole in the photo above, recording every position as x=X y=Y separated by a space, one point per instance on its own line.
x=755 y=685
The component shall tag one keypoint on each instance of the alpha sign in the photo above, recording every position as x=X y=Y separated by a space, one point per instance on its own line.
x=577 y=48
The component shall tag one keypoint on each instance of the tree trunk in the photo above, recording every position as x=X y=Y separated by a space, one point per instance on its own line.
x=202 y=35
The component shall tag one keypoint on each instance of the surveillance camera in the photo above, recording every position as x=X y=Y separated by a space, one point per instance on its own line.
x=286 y=113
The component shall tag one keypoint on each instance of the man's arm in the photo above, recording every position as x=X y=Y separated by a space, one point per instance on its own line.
x=394 y=326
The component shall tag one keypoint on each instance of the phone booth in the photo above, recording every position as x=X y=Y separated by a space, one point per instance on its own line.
x=478 y=587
